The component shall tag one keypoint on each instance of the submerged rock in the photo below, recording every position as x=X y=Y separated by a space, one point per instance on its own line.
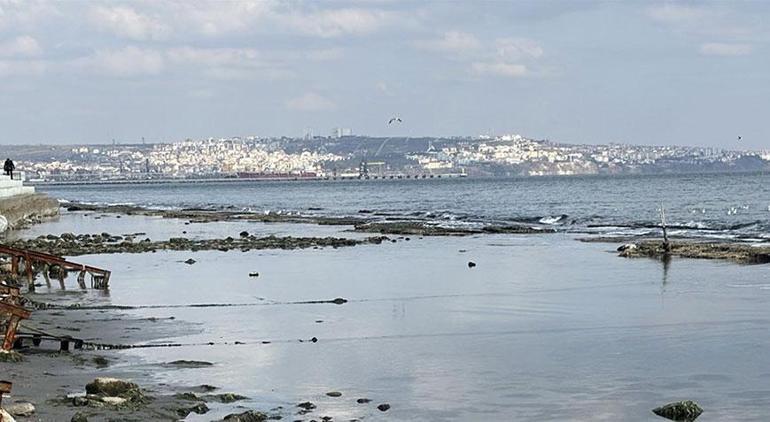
x=363 y=401
x=228 y=397
x=334 y=394
x=686 y=411
x=189 y=364
x=383 y=407
x=190 y=261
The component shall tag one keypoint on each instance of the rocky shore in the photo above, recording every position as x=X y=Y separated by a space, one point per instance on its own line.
x=367 y=222
x=737 y=252
x=69 y=244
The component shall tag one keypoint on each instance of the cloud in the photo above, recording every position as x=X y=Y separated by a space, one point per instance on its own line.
x=124 y=62
x=517 y=49
x=508 y=70
x=126 y=22
x=310 y=102
x=337 y=22
x=725 y=49
x=222 y=17
x=21 y=46
x=454 y=42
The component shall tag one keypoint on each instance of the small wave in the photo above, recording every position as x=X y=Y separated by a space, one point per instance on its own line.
x=560 y=219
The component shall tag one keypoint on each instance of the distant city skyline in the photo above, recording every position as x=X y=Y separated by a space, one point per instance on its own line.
x=688 y=73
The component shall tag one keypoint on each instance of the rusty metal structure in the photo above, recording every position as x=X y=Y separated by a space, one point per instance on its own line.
x=11 y=313
x=100 y=278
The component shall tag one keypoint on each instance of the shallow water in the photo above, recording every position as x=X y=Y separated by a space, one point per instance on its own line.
x=712 y=205
x=544 y=328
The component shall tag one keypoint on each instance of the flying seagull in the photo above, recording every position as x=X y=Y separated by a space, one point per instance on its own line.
x=394 y=119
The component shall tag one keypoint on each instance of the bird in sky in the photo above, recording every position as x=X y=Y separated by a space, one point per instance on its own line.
x=393 y=120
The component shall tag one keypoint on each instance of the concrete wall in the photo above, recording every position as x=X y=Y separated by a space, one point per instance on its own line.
x=26 y=208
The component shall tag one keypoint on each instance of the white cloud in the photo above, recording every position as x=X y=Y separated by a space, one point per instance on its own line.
x=220 y=17
x=337 y=22
x=128 y=23
x=127 y=61
x=725 y=49
x=517 y=49
x=454 y=42
x=310 y=102
x=508 y=70
x=325 y=54
x=21 y=46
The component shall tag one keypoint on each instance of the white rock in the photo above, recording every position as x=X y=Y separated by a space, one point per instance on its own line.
x=114 y=401
x=21 y=408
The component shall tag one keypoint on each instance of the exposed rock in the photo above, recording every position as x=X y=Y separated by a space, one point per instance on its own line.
x=244 y=234
x=255 y=274
x=114 y=401
x=420 y=228
x=187 y=396
x=334 y=394
x=471 y=264
x=199 y=408
x=101 y=361
x=20 y=408
x=306 y=405
x=113 y=387
x=363 y=401
x=190 y=261
x=227 y=397
x=737 y=252
x=686 y=411
x=248 y=416
x=383 y=407
x=88 y=246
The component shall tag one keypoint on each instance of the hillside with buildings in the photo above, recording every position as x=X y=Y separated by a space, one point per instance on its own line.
x=354 y=156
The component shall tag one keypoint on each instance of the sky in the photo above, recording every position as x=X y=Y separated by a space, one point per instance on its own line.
x=638 y=72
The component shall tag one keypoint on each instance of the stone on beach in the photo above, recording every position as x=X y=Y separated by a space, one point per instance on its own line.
x=686 y=411
x=21 y=408
x=113 y=387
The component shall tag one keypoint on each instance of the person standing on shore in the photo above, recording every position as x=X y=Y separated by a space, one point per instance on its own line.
x=9 y=167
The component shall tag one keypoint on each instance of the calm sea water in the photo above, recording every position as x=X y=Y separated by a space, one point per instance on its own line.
x=722 y=205
x=544 y=328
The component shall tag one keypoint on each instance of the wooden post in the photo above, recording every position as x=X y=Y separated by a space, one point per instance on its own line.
x=666 y=245
x=10 y=332
x=15 y=265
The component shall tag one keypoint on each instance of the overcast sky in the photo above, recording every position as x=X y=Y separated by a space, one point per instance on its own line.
x=690 y=73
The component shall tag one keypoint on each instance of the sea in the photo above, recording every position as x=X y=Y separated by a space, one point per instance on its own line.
x=544 y=327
